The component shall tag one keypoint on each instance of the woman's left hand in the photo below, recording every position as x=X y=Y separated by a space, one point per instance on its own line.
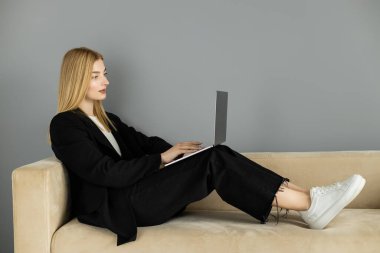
x=179 y=149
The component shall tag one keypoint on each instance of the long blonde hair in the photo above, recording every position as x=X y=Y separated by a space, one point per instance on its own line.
x=74 y=82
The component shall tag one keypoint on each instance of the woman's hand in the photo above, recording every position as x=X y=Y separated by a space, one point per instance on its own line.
x=179 y=149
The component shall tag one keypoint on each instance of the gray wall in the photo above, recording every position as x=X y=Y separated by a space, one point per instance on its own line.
x=302 y=75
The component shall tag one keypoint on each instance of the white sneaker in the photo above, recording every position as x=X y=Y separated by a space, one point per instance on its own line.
x=328 y=201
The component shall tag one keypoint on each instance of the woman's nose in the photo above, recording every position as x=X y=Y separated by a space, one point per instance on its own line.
x=105 y=81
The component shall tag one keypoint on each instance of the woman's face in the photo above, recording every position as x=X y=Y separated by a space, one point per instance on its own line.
x=98 y=83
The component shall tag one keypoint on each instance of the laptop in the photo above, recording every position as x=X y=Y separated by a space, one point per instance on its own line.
x=220 y=129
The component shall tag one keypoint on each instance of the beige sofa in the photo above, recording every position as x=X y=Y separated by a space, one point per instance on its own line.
x=42 y=223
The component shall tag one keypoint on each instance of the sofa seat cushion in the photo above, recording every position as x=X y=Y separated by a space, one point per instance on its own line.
x=230 y=231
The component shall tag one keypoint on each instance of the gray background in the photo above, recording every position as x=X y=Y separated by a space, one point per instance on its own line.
x=302 y=75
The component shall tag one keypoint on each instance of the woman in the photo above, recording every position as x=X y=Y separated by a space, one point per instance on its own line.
x=117 y=180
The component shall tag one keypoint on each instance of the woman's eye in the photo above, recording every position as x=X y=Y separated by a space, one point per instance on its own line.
x=106 y=74
x=94 y=77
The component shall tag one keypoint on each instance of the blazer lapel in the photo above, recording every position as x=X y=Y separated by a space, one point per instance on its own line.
x=123 y=148
x=100 y=137
x=103 y=139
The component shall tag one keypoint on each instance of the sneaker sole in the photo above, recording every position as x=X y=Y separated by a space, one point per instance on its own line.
x=333 y=211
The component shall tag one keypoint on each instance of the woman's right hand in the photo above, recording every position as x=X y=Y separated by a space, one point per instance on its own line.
x=179 y=149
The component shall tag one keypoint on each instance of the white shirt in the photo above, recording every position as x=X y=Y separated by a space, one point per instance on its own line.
x=108 y=135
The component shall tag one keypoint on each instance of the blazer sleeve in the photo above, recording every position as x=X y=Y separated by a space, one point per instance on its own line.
x=150 y=145
x=73 y=145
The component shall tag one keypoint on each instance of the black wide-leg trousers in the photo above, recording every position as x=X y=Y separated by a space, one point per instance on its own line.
x=239 y=181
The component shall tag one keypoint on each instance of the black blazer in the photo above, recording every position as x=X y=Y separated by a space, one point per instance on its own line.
x=101 y=180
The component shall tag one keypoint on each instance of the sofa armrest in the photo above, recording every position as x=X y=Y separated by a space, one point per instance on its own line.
x=40 y=204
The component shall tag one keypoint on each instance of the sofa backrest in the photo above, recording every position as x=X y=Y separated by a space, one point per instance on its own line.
x=308 y=169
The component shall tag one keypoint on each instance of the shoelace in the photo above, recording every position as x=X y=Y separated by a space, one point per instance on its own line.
x=326 y=189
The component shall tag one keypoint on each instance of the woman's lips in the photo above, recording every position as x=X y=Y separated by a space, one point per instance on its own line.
x=103 y=91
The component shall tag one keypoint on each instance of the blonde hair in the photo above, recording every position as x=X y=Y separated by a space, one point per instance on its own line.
x=74 y=82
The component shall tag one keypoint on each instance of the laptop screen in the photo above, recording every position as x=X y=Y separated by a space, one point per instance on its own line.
x=221 y=117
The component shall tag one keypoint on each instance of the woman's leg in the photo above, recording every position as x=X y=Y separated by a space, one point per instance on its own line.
x=291 y=199
x=239 y=181
x=297 y=188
